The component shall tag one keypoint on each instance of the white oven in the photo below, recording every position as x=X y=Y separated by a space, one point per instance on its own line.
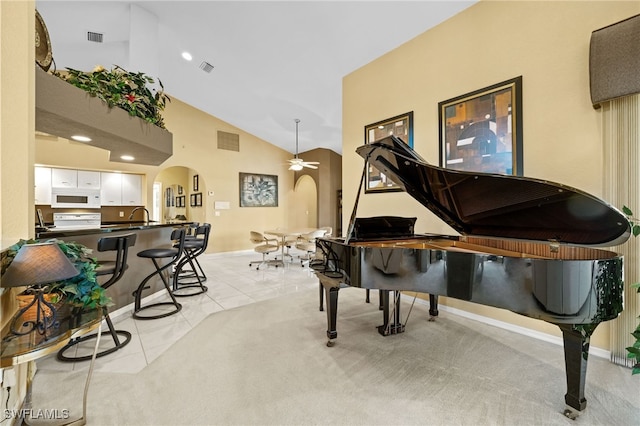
x=75 y=198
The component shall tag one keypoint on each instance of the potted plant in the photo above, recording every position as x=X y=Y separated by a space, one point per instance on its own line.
x=81 y=291
x=121 y=88
x=634 y=351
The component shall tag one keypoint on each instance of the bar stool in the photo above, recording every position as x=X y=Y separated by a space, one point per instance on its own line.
x=193 y=247
x=116 y=268
x=173 y=254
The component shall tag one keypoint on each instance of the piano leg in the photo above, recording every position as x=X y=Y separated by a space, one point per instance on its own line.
x=576 y=351
x=368 y=299
x=388 y=327
x=433 y=306
x=321 y=297
x=331 y=294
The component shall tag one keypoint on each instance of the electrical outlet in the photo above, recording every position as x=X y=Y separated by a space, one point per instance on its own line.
x=121 y=214
x=8 y=377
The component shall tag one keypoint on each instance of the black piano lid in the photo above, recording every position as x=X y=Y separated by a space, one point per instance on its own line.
x=491 y=205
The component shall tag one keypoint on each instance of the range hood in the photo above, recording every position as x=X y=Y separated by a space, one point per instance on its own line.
x=64 y=110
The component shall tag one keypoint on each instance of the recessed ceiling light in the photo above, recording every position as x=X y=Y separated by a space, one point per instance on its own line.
x=127 y=157
x=81 y=138
x=187 y=56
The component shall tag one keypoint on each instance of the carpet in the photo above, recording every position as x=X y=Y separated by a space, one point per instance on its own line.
x=268 y=364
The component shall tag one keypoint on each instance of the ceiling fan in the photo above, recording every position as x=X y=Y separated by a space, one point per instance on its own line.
x=297 y=163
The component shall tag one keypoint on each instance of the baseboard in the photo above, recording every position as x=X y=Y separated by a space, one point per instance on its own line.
x=556 y=340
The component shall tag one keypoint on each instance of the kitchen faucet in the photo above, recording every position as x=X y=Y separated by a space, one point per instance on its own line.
x=136 y=209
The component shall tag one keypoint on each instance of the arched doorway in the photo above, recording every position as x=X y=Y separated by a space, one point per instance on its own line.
x=304 y=204
x=180 y=196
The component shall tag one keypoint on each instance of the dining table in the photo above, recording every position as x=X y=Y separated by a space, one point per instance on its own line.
x=285 y=233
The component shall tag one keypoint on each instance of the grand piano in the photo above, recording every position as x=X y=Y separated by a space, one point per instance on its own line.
x=526 y=245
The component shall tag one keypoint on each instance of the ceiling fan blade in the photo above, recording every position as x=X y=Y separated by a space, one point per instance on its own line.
x=310 y=162
x=307 y=165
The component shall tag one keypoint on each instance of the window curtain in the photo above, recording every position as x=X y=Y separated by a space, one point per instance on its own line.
x=621 y=140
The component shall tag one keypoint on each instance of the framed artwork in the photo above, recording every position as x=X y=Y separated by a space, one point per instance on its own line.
x=196 y=182
x=482 y=130
x=198 y=199
x=169 y=200
x=180 y=201
x=258 y=190
x=400 y=126
x=192 y=200
x=180 y=190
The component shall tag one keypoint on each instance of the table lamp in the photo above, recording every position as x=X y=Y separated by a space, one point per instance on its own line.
x=37 y=265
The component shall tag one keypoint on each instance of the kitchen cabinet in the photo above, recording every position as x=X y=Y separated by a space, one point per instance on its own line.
x=64 y=178
x=111 y=189
x=42 y=180
x=132 y=190
x=88 y=179
x=121 y=189
x=71 y=178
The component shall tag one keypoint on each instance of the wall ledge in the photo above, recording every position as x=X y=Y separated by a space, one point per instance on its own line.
x=64 y=110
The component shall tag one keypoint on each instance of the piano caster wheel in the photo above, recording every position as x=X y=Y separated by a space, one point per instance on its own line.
x=571 y=414
x=431 y=318
x=330 y=343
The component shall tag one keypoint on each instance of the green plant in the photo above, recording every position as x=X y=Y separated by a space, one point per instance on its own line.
x=121 y=88
x=82 y=290
x=634 y=351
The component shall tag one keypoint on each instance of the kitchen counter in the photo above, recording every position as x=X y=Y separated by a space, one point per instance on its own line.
x=148 y=235
x=105 y=228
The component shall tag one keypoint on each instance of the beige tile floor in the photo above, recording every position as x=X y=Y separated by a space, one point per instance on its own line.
x=231 y=283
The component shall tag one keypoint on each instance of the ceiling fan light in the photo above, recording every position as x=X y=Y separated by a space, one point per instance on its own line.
x=296 y=167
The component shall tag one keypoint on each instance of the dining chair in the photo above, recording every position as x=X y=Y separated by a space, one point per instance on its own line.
x=307 y=243
x=264 y=246
x=328 y=231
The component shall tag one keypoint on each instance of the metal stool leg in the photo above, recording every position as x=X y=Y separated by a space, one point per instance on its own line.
x=118 y=343
x=138 y=295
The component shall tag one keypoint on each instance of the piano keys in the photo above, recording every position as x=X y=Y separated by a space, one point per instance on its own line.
x=526 y=245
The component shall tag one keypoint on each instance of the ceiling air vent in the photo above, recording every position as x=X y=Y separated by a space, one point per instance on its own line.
x=228 y=141
x=206 y=66
x=95 y=37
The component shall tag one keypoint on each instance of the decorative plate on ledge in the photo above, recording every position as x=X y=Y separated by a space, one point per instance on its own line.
x=43 y=44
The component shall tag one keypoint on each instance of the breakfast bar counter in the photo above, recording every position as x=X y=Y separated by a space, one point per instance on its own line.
x=105 y=228
x=149 y=235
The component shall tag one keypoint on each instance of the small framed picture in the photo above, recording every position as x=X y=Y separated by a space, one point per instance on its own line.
x=169 y=199
x=192 y=200
x=400 y=126
x=180 y=190
x=196 y=183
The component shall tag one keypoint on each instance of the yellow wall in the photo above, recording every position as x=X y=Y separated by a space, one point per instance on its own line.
x=17 y=123
x=195 y=146
x=545 y=42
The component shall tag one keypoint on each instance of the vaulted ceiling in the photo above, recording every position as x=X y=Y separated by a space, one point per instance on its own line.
x=273 y=61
